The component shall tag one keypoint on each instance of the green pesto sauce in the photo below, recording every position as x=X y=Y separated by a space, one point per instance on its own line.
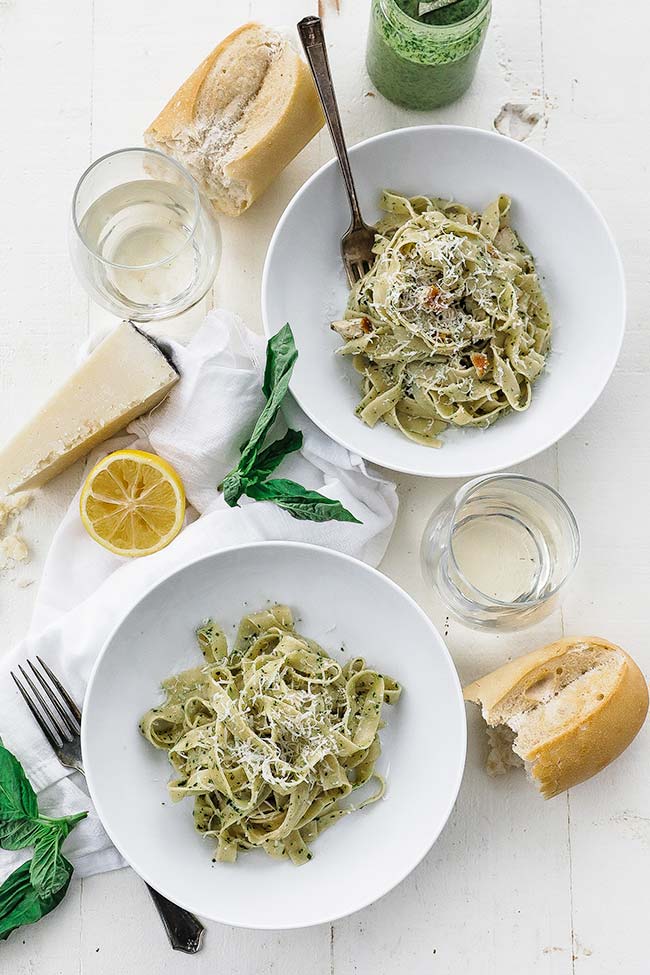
x=429 y=61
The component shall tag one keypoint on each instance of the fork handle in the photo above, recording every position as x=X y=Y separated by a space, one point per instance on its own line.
x=311 y=34
x=183 y=929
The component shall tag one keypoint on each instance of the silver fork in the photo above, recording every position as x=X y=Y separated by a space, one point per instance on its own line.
x=60 y=722
x=358 y=240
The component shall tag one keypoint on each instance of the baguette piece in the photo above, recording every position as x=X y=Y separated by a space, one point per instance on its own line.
x=564 y=711
x=241 y=117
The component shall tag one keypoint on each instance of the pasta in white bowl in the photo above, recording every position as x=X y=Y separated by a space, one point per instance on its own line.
x=349 y=610
x=579 y=272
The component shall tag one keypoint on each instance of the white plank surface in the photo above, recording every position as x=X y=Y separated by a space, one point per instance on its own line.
x=513 y=884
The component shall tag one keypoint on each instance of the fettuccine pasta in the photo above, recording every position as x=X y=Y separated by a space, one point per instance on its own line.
x=270 y=737
x=450 y=325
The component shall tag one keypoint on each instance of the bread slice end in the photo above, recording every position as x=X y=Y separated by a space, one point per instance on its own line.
x=565 y=711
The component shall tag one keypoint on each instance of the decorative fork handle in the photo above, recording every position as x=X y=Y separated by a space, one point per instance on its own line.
x=311 y=34
x=183 y=929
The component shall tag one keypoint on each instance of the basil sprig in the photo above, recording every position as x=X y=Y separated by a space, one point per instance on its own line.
x=257 y=462
x=39 y=885
x=22 y=904
x=299 y=502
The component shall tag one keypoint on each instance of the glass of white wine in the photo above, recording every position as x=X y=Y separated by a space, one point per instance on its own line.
x=143 y=241
x=500 y=549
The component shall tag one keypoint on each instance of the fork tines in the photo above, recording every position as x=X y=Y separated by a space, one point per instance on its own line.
x=359 y=269
x=355 y=270
x=60 y=719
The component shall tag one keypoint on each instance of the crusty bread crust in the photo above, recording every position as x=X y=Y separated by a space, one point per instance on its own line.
x=488 y=691
x=587 y=743
x=180 y=110
x=267 y=157
x=281 y=125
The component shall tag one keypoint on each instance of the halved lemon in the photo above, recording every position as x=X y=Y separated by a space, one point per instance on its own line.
x=133 y=503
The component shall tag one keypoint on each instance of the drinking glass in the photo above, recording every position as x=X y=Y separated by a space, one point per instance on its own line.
x=143 y=242
x=500 y=549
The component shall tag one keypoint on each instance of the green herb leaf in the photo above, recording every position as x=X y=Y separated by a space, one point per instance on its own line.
x=48 y=872
x=232 y=487
x=234 y=484
x=17 y=798
x=257 y=463
x=281 y=355
x=271 y=457
x=299 y=502
x=16 y=834
x=21 y=904
x=36 y=887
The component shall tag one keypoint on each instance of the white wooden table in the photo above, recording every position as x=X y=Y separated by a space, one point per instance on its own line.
x=513 y=884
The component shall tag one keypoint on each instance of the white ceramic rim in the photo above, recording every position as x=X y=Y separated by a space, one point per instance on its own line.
x=428 y=843
x=524 y=455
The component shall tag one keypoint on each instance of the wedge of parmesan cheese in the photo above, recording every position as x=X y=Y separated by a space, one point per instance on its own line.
x=125 y=376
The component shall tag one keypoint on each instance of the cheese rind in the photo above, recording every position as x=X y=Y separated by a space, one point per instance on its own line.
x=125 y=376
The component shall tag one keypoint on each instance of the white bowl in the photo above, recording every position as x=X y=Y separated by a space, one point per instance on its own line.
x=304 y=284
x=341 y=603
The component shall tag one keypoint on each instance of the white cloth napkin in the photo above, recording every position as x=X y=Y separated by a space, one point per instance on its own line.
x=86 y=589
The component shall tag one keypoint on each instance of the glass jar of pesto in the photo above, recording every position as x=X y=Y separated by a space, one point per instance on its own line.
x=423 y=55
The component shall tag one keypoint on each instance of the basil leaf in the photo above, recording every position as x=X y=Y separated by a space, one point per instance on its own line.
x=272 y=456
x=234 y=484
x=299 y=502
x=16 y=834
x=281 y=354
x=17 y=798
x=58 y=877
x=256 y=463
x=20 y=903
x=47 y=871
x=232 y=488
x=38 y=886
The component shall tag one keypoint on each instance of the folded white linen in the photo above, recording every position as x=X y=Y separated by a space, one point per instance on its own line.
x=85 y=589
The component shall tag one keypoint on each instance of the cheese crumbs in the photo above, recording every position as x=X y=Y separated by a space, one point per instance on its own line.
x=13 y=547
